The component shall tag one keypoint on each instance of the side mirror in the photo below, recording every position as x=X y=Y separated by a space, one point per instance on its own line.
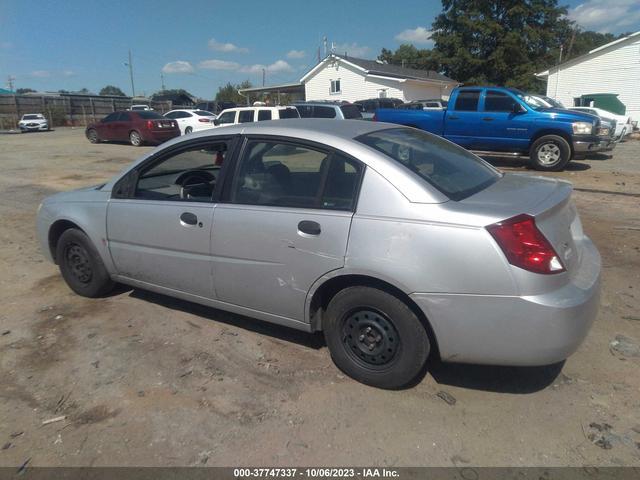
x=517 y=108
x=216 y=122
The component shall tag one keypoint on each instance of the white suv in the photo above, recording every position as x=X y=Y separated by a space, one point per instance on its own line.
x=232 y=116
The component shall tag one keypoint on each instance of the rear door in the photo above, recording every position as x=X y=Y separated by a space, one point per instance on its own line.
x=122 y=126
x=284 y=223
x=462 y=121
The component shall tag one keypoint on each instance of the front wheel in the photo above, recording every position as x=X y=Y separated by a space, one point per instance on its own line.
x=375 y=338
x=81 y=265
x=188 y=130
x=92 y=135
x=135 y=139
x=550 y=153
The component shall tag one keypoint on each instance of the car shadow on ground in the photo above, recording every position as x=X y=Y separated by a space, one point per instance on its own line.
x=491 y=378
x=310 y=340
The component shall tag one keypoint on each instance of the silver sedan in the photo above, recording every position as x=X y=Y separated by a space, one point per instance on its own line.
x=395 y=243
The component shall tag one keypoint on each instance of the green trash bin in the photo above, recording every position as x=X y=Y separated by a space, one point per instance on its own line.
x=605 y=101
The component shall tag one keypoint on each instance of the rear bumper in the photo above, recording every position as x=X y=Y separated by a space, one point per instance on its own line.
x=159 y=137
x=519 y=331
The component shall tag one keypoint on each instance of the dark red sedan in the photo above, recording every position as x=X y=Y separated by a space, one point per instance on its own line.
x=135 y=127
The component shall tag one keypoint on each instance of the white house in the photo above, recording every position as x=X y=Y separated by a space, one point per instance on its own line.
x=611 y=68
x=347 y=78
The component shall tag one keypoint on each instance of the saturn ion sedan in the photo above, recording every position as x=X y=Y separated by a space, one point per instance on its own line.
x=395 y=243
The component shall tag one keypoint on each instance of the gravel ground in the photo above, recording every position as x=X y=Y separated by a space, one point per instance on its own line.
x=142 y=379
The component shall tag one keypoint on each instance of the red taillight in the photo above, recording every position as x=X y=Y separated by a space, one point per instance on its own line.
x=203 y=120
x=374 y=118
x=525 y=246
x=149 y=125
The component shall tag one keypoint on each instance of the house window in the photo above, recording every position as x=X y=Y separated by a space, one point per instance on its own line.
x=335 y=86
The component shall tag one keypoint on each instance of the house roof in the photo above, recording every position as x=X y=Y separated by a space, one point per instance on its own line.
x=581 y=58
x=374 y=67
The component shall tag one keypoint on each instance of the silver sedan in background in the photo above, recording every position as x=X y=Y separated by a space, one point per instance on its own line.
x=397 y=244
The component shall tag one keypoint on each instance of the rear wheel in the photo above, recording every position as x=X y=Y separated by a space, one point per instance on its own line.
x=81 y=265
x=188 y=130
x=135 y=138
x=92 y=135
x=375 y=338
x=550 y=153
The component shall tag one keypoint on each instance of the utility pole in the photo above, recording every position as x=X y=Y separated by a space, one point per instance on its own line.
x=130 y=65
x=162 y=80
x=264 y=73
x=10 y=80
x=555 y=96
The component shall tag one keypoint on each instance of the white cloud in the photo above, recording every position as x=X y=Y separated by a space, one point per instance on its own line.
x=225 y=47
x=352 y=49
x=68 y=73
x=612 y=16
x=179 y=66
x=279 y=66
x=41 y=74
x=214 y=64
x=296 y=54
x=418 y=35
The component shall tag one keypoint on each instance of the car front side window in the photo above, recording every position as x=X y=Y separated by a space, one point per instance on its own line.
x=187 y=175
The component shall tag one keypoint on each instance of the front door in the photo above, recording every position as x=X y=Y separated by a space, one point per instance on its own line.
x=160 y=232
x=283 y=224
x=504 y=126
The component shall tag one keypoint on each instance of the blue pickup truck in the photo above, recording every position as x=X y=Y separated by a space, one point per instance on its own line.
x=505 y=122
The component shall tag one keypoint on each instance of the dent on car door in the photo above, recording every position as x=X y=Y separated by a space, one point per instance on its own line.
x=284 y=223
x=159 y=227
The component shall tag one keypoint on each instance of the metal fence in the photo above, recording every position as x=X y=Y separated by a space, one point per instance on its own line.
x=69 y=110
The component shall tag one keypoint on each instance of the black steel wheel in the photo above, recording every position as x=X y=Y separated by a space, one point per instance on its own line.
x=375 y=337
x=81 y=265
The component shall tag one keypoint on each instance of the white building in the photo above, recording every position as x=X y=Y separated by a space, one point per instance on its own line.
x=611 y=68
x=351 y=79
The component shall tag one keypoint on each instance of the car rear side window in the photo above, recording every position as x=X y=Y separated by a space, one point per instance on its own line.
x=305 y=111
x=264 y=115
x=350 y=111
x=288 y=113
x=449 y=168
x=124 y=117
x=467 y=101
x=245 y=116
x=324 y=112
x=290 y=175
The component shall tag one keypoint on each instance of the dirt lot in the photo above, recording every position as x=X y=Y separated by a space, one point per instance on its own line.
x=147 y=380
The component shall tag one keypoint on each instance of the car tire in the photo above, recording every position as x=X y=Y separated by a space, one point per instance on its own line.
x=81 y=265
x=188 y=130
x=550 y=153
x=92 y=136
x=375 y=338
x=135 y=139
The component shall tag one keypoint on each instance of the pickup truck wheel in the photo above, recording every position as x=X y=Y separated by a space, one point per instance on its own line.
x=81 y=265
x=375 y=338
x=550 y=153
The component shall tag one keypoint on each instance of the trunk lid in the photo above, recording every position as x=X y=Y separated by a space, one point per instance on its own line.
x=547 y=200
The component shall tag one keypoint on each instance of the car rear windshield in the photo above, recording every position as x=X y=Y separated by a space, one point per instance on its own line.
x=447 y=167
x=289 y=113
x=350 y=111
x=203 y=113
x=147 y=115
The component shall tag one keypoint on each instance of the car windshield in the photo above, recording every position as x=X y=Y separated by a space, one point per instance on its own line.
x=147 y=115
x=350 y=111
x=203 y=113
x=32 y=117
x=291 y=112
x=449 y=168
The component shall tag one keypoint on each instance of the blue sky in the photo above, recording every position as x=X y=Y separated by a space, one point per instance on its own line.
x=200 y=45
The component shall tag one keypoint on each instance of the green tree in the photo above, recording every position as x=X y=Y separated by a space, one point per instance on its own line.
x=22 y=91
x=112 y=90
x=229 y=93
x=410 y=57
x=499 y=42
x=174 y=91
